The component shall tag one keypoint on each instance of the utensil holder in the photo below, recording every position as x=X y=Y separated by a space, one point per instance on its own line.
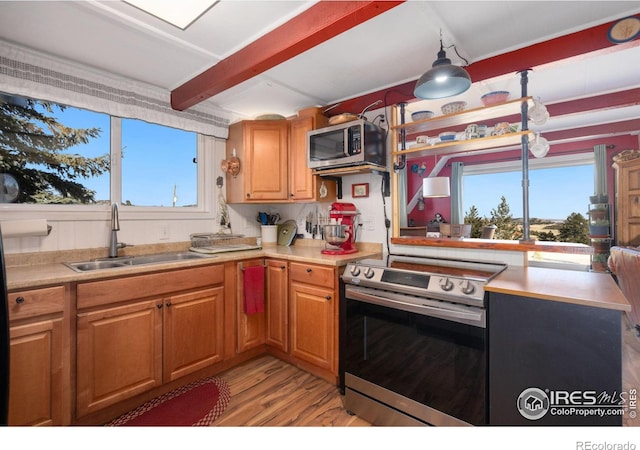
x=269 y=235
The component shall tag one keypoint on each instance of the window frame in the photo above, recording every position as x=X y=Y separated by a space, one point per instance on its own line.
x=205 y=146
x=551 y=162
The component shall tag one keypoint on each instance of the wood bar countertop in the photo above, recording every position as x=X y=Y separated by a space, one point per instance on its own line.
x=596 y=289
x=495 y=244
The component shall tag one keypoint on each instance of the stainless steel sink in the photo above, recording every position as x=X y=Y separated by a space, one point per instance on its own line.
x=128 y=261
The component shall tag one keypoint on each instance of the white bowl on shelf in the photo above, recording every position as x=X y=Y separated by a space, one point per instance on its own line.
x=422 y=115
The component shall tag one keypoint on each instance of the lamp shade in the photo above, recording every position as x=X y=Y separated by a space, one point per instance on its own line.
x=435 y=187
x=442 y=80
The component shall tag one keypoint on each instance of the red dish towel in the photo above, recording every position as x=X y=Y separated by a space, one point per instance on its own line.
x=253 y=289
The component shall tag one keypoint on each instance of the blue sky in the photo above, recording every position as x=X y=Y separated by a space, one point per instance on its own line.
x=155 y=159
x=553 y=193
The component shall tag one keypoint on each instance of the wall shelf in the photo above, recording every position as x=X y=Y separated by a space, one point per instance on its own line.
x=336 y=175
x=494 y=142
x=351 y=170
x=476 y=115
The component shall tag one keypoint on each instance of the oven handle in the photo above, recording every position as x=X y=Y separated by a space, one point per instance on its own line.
x=475 y=318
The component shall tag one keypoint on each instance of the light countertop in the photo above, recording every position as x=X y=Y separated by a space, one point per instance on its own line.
x=583 y=288
x=49 y=270
x=597 y=289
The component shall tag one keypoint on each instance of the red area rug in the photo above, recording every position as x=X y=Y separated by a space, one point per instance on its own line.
x=197 y=404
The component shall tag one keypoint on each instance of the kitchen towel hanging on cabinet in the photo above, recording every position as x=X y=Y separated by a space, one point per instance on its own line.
x=253 y=284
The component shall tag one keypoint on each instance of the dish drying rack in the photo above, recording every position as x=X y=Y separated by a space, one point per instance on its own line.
x=220 y=243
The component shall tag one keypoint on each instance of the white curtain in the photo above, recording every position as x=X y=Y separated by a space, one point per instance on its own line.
x=600 y=173
x=31 y=74
x=457 y=212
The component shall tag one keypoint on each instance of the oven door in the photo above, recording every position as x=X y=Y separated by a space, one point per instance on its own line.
x=423 y=361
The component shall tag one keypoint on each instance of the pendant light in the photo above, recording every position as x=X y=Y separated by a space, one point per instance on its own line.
x=443 y=79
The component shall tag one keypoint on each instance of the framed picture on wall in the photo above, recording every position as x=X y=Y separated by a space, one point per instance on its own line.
x=360 y=190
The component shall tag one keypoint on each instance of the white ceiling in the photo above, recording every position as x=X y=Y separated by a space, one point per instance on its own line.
x=391 y=49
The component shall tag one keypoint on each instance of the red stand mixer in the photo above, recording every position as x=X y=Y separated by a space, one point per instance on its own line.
x=340 y=235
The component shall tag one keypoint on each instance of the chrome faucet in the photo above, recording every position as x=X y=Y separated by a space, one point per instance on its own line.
x=115 y=227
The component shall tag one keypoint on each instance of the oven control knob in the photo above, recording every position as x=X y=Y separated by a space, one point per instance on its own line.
x=368 y=272
x=446 y=284
x=355 y=271
x=467 y=287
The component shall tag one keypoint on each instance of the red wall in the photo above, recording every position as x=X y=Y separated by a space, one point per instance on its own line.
x=443 y=205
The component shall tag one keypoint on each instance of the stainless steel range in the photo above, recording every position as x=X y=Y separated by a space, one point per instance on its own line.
x=413 y=340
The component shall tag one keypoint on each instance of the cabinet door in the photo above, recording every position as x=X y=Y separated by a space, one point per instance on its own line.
x=276 y=307
x=628 y=202
x=119 y=354
x=193 y=333
x=249 y=327
x=35 y=379
x=312 y=318
x=303 y=184
x=266 y=152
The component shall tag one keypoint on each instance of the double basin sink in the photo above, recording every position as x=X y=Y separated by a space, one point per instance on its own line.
x=128 y=261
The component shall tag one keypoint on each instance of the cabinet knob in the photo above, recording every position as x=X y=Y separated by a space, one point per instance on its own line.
x=248 y=195
x=159 y=305
x=283 y=267
x=168 y=304
x=308 y=270
x=20 y=300
x=328 y=297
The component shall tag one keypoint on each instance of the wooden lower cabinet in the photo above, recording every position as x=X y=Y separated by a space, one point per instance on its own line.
x=39 y=359
x=313 y=303
x=190 y=342
x=119 y=354
x=138 y=333
x=250 y=328
x=277 y=308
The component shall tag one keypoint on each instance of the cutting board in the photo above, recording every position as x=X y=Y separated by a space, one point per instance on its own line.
x=287 y=232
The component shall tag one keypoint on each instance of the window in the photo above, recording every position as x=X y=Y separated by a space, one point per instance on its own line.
x=60 y=155
x=558 y=188
x=55 y=154
x=158 y=165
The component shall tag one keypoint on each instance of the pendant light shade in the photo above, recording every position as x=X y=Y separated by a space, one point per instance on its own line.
x=443 y=79
x=435 y=187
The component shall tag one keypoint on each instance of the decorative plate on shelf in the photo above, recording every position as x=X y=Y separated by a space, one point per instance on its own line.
x=624 y=30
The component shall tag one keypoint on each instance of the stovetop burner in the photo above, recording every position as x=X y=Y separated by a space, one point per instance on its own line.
x=459 y=281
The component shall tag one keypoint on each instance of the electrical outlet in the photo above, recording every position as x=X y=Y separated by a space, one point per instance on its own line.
x=164 y=233
x=369 y=224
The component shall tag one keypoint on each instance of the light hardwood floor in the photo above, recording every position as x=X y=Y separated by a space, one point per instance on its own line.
x=269 y=392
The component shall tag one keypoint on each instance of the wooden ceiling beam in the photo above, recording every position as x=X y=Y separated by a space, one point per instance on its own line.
x=319 y=23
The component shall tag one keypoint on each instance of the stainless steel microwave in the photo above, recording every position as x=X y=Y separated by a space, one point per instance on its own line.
x=348 y=144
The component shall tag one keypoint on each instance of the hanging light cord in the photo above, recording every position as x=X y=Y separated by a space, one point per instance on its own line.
x=466 y=62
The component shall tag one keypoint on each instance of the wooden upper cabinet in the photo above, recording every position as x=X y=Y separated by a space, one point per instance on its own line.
x=262 y=146
x=273 y=162
x=304 y=185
